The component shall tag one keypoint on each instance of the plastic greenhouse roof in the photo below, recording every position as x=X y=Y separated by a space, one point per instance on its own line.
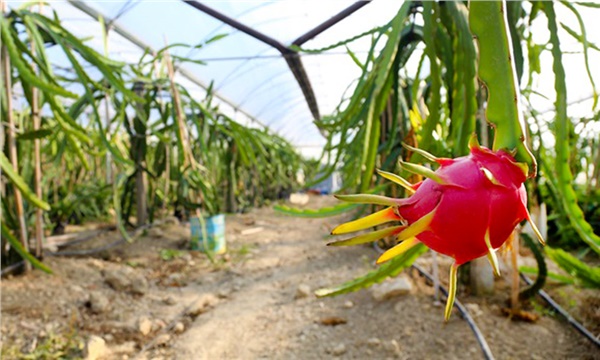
x=247 y=72
x=251 y=78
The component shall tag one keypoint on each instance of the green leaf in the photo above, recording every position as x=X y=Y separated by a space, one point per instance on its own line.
x=464 y=81
x=497 y=71
x=578 y=37
x=589 y=4
x=84 y=80
x=564 y=177
x=584 y=42
x=18 y=181
x=318 y=213
x=35 y=134
x=214 y=38
x=567 y=280
x=430 y=18
x=23 y=67
x=16 y=244
x=389 y=269
x=589 y=276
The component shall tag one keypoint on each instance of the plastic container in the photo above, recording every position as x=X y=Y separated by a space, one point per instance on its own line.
x=215 y=231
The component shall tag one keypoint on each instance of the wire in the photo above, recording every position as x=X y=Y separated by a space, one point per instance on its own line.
x=128 y=6
x=487 y=352
x=275 y=56
x=577 y=325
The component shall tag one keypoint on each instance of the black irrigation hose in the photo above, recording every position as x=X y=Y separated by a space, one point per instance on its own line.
x=585 y=332
x=487 y=352
x=88 y=251
x=9 y=269
x=485 y=348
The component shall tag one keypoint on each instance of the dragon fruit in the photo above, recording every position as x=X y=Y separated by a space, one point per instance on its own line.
x=467 y=208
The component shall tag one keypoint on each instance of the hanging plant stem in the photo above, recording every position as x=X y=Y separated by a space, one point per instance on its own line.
x=12 y=145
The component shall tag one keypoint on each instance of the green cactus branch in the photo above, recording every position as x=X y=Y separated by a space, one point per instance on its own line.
x=564 y=178
x=497 y=71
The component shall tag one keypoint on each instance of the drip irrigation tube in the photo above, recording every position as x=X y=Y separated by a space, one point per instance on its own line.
x=14 y=267
x=485 y=348
x=577 y=325
x=487 y=352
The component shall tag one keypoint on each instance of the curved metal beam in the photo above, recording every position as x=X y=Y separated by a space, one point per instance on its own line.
x=329 y=23
x=93 y=13
x=291 y=57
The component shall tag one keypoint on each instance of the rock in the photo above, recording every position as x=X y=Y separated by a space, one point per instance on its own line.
x=299 y=199
x=155 y=232
x=139 y=285
x=302 y=291
x=373 y=342
x=202 y=305
x=162 y=339
x=77 y=289
x=179 y=328
x=98 y=303
x=339 y=350
x=158 y=325
x=393 y=347
x=98 y=264
x=144 y=326
x=171 y=220
x=348 y=304
x=251 y=231
x=474 y=310
x=186 y=257
x=169 y=300
x=391 y=288
x=333 y=321
x=117 y=279
x=95 y=348
x=126 y=279
x=127 y=347
x=223 y=293
x=176 y=280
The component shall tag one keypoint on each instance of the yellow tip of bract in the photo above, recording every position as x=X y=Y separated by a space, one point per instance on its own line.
x=368 y=199
x=537 y=232
x=524 y=167
x=451 y=291
x=396 y=179
x=490 y=176
x=408 y=235
x=473 y=142
x=378 y=218
x=421 y=152
x=492 y=258
x=397 y=250
x=369 y=237
x=423 y=171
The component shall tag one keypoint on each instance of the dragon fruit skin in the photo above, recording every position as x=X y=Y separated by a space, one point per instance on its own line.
x=469 y=204
x=467 y=208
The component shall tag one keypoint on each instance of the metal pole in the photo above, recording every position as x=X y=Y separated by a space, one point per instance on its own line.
x=93 y=13
x=291 y=57
x=329 y=23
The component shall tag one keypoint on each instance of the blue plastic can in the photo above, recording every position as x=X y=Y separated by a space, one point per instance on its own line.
x=215 y=231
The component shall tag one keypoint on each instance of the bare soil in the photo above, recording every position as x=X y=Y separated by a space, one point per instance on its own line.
x=155 y=299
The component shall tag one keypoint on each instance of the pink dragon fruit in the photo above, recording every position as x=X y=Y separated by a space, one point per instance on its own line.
x=467 y=208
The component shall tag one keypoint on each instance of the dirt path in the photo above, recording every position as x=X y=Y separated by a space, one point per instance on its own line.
x=256 y=303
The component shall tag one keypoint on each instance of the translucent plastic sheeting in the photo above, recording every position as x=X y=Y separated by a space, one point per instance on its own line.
x=254 y=77
x=248 y=73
